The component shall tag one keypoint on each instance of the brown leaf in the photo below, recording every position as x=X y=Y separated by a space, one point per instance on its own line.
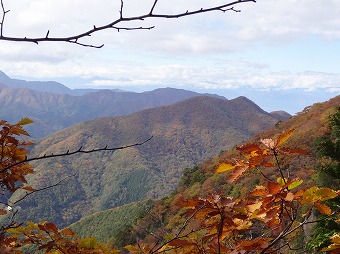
x=179 y=242
x=51 y=227
x=67 y=231
x=237 y=173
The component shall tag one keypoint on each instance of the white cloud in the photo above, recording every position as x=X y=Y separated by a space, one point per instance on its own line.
x=197 y=51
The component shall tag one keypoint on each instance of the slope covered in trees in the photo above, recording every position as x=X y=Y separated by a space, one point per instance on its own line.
x=200 y=181
x=184 y=134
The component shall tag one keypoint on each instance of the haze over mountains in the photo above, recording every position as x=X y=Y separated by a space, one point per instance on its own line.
x=53 y=106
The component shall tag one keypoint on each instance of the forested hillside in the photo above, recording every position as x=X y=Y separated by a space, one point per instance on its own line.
x=166 y=216
x=184 y=134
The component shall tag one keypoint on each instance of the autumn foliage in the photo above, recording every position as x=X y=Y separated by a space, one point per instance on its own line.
x=264 y=221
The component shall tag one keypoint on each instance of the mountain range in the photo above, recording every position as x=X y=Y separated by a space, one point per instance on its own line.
x=53 y=106
x=184 y=134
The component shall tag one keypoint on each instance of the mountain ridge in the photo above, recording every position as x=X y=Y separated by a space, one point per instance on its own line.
x=53 y=106
x=51 y=112
x=311 y=123
x=184 y=134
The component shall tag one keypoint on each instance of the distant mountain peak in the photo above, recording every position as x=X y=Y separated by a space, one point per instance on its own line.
x=3 y=76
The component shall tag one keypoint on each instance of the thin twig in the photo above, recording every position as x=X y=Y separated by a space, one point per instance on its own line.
x=41 y=189
x=185 y=224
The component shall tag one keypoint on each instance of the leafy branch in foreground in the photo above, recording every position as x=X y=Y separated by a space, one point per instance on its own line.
x=265 y=221
x=114 y=24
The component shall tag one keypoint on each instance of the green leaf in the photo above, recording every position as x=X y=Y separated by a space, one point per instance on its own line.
x=295 y=184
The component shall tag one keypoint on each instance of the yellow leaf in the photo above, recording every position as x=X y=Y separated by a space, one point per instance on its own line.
x=253 y=207
x=224 y=167
x=283 y=137
x=335 y=244
x=316 y=194
x=281 y=181
x=25 y=121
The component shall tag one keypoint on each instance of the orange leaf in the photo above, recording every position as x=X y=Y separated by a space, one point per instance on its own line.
x=248 y=148
x=28 y=188
x=259 y=191
x=273 y=187
x=323 y=208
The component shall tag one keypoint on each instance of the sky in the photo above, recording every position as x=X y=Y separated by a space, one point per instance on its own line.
x=282 y=54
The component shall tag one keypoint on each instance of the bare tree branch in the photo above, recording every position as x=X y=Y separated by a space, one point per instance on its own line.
x=115 y=24
x=68 y=153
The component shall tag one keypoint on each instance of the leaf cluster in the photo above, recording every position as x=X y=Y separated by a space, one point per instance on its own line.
x=224 y=224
